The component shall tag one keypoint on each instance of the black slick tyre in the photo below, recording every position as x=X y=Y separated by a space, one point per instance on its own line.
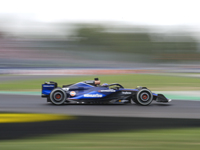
x=58 y=96
x=144 y=97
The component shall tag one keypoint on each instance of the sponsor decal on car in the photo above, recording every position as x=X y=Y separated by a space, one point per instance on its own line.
x=72 y=93
x=107 y=90
x=48 y=85
x=126 y=92
x=93 y=95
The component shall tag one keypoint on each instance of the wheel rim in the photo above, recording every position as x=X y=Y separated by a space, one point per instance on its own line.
x=144 y=96
x=58 y=96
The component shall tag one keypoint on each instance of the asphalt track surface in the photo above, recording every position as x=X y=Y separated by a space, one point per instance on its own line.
x=95 y=118
x=36 y=104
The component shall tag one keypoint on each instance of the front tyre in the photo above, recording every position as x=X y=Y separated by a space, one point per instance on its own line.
x=58 y=96
x=144 y=97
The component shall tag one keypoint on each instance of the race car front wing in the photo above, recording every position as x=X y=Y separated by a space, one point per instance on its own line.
x=162 y=98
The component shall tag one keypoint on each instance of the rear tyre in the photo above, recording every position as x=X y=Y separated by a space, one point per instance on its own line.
x=58 y=96
x=144 y=97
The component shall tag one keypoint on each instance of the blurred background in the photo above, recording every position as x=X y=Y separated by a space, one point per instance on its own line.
x=100 y=34
x=150 y=43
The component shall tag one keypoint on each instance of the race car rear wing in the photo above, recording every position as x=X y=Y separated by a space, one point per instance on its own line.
x=47 y=87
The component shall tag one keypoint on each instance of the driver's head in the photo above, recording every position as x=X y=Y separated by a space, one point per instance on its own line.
x=97 y=81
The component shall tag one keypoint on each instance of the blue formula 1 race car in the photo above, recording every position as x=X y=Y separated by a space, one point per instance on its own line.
x=91 y=92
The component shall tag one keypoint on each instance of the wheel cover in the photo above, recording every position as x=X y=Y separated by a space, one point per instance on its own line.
x=144 y=97
x=58 y=96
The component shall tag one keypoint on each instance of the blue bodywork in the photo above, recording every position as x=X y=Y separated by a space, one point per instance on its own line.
x=92 y=92
x=84 y=91
x=47 y=88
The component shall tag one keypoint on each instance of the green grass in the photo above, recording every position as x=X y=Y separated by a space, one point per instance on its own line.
x=177 y=139
x=153 y=82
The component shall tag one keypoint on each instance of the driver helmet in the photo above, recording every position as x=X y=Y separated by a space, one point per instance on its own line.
x=97 y=81
x=105 y=84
